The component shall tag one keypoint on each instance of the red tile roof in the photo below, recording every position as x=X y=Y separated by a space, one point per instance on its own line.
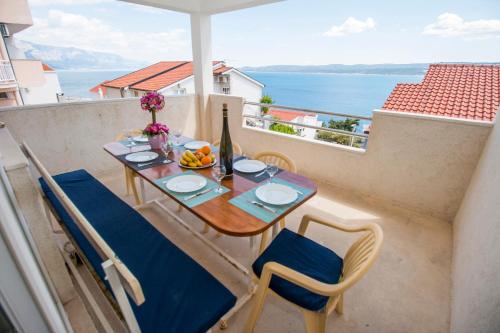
x=286 y=115
x=47 y=68
x=142 y=74
x=101 y=86
x=451 y=90
x=158 y=76
x=165 y=79
x=222 y=69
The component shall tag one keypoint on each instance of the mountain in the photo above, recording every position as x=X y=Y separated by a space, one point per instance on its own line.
x=399 y=69
x=71 y=58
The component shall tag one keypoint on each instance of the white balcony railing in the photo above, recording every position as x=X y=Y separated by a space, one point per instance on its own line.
x=352 y=138
x=6 y=72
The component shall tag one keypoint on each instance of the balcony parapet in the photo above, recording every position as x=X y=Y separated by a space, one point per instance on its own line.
x=419 y=163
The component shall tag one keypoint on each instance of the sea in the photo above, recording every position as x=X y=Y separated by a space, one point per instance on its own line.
x=354 y=94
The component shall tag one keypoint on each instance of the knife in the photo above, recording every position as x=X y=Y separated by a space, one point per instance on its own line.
x=197 y=194
x=258 y=204
x=260 y=174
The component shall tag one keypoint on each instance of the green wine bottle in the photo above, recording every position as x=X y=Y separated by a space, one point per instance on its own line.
x=226 y=146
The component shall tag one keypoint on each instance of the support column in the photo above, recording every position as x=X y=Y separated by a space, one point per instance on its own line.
x=201 y=40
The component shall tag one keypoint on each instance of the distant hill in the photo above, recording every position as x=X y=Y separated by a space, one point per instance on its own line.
x=71 y=58
x=383 y=69
x=396 y=69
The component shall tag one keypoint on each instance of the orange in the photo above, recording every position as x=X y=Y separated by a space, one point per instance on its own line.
x=206 y=150
x=206 y=160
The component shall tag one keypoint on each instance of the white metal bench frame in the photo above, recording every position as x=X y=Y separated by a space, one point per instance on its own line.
x=120 y=278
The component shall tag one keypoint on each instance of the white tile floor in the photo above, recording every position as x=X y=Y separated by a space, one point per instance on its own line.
x=407 y=290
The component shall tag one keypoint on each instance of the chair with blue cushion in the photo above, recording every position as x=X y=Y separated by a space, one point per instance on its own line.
x=311 y=276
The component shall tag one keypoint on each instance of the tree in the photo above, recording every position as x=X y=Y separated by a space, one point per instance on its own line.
x=266 y=99
x=282 y=128
x=345 y=125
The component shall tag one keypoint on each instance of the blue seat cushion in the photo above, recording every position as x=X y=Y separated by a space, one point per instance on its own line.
x=305 y=256
x=181 y=296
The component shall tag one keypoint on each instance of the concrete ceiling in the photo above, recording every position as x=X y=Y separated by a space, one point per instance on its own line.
x=202 y=6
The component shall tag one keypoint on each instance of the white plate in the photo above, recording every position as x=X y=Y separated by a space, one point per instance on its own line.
x=186 y=183
x=249 y=166
x=276 y=194
x=140 y=138
x=143 y=156
x=194 y=145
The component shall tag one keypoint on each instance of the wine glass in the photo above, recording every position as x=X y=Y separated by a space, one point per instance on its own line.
x=219 y=172
x=130 y=142
x=166 y=148
x=271 y=170
x=177 y=135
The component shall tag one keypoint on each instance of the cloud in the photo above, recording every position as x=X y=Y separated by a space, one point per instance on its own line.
x=65 y=2
x=73 y=30
x=451 y=25
x=350 y=26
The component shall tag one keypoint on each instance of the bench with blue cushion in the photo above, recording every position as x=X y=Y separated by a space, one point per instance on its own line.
x=305 y=256
x=181 y=296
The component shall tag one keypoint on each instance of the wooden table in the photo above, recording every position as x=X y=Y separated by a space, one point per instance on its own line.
x=218 y=212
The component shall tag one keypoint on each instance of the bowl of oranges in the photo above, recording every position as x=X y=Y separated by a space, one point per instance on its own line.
x=201 y=158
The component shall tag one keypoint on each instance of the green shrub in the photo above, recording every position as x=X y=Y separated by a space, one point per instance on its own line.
x=282 y=128
x=339 y=138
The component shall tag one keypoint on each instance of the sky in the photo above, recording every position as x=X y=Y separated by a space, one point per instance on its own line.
x=299 y=32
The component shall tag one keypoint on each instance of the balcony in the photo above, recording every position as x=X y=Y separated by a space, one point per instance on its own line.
x=7 y=77
x=397 y=181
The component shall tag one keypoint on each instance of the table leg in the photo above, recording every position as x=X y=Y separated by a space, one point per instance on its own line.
x=263 y=241
x=275 y=230
x=143 y=192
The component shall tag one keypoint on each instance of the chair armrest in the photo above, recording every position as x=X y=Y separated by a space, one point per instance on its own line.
x=339 y=226
x=313 y=285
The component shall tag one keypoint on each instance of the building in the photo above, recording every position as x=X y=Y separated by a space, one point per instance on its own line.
x=298 y=118
x=22 y=81
x=176 y=78
x=48 y=92
x=466 y=91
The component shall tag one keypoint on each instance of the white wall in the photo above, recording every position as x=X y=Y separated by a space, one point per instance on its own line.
x=476 y=253
x=69 y=136
x=422 y=163
x=188 y=84
x=47 y=93
x=241 y=86
x=112 y=93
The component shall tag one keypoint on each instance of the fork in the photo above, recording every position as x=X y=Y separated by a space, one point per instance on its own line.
x=261 y=205
x=140 y=165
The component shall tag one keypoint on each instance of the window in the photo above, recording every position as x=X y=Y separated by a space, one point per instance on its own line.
x=4 y=95
x=226 y=90
x=136 y=93
x=5 y=323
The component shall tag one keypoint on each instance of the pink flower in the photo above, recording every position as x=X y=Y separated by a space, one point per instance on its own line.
x=152 y=101
x=156 y=129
